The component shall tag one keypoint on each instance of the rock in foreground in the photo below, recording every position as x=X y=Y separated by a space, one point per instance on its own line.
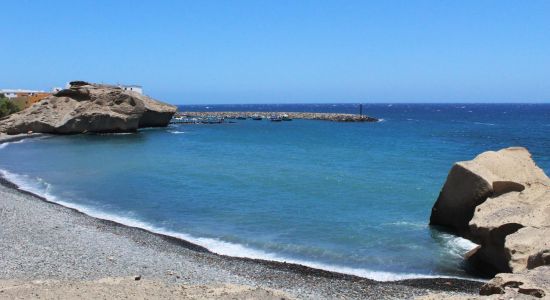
x=87 y=107
x=490 y=175
x=501 y=201
x=535 y=283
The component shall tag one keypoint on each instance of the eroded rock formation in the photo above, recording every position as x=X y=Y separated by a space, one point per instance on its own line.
x=87 y=107
x=501 y=201
x=534 y=283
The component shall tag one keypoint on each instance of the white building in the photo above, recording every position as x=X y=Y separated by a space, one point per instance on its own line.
x=133 y=88
x=12 y=93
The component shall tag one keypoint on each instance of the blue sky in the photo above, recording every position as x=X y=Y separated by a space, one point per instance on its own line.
x=260 y=51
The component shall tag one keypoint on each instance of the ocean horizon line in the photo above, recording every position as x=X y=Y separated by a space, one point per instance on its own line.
x=368 y=103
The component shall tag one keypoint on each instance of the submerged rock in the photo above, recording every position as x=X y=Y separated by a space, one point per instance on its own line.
x=501 y=201
x=87 y=107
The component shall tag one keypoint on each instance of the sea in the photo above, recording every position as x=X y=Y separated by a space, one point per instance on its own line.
x=353 y=198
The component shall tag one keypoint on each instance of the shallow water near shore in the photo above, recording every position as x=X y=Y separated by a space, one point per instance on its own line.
x=347 y=197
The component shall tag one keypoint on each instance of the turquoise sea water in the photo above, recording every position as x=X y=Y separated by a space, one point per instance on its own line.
x=349 y=197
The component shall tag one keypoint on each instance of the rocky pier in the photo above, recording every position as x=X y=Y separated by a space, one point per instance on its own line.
x=335 y=117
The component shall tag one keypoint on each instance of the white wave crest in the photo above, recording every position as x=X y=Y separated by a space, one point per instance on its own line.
x=458 y=246
x=407 y=224
x=481 y=123
x=117 y=133
x=4 y=145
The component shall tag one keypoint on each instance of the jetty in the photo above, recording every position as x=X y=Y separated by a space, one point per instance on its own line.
x=335 y=117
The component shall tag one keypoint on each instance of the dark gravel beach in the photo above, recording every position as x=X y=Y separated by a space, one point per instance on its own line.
x=46 y=241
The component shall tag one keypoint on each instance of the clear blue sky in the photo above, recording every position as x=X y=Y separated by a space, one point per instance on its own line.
x=284 y=51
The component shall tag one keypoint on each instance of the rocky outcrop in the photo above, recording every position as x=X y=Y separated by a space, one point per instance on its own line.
x=501 y=201
x=490 y=175
x=513 y=230
x=534 y=283
x=86 y=107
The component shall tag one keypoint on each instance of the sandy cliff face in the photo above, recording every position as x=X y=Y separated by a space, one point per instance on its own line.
x=86 y=107
x=500 y=200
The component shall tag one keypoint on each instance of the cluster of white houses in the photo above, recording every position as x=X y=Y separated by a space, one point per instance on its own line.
x=11 y=93
x=133 y=88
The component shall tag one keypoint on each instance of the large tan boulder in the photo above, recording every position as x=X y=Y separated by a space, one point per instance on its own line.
x=490 y=174
x=514 y=230
x=86 y=107
x=528 y=248
x=501 y=201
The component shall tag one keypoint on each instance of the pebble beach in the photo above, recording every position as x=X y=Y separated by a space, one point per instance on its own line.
x=45 y=244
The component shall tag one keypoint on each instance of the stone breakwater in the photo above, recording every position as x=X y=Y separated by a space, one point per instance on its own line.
x=336 y=117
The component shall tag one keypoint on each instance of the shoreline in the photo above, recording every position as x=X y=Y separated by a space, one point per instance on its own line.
x=249 y=266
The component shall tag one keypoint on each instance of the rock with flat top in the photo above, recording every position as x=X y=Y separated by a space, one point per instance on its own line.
x=501 y=201
x=490 y=174
x=86 y=107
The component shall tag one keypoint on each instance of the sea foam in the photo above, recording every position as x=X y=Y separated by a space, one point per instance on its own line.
x=4 y=145
x=176 y=132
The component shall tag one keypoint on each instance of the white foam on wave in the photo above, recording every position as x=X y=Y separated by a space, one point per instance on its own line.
x=407 y=224
x=4 y=145
x=458 y=246
x=481 y=123
x=24 y=140
x=176 y=132
x=41 y=188
x=117 y=133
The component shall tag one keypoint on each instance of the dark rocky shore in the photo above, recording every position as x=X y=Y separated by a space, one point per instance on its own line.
x=293 y=115
x=46 y=241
